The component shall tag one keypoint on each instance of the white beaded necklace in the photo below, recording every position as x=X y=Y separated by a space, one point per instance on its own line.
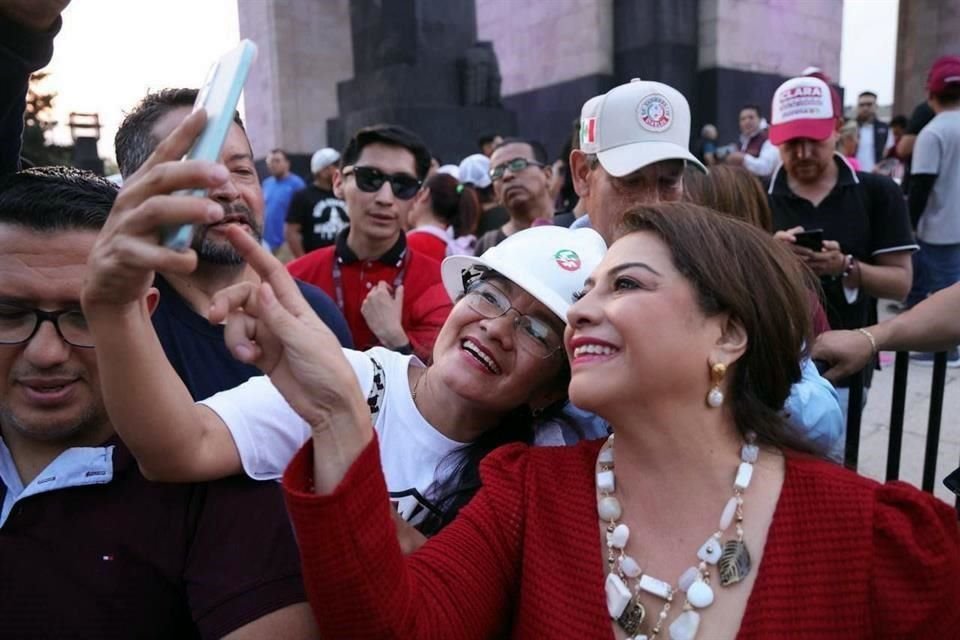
x=623 y=602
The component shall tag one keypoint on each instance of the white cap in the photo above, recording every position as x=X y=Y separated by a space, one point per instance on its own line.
x=640 y=123
x=450 y=170
x=802 y=108
x=475 y=170
x=548 y=262
x=323 y=159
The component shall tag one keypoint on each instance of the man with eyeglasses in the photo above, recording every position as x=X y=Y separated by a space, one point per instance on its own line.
x=391 y=296
x=521 y=182
x=88 y=546
x=634 y=145
x=875 y=136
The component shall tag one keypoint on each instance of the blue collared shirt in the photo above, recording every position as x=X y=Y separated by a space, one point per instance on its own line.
x=76 y=467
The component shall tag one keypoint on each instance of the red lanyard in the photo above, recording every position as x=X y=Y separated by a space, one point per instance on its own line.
x=338 y=278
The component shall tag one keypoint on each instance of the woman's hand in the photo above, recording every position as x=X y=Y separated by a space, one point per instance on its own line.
x=128 y=250
x=272 y=327
x=847 y=352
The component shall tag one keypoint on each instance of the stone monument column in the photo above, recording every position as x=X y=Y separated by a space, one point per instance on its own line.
x=417 y=63
x=748 y=48
x=303 y=51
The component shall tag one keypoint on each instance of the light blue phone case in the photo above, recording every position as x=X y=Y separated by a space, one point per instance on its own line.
x=218 y=96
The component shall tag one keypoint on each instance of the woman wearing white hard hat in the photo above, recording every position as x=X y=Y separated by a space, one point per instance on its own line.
x=498 y=363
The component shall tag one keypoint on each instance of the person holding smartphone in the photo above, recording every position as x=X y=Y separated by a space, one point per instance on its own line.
x=866 y=241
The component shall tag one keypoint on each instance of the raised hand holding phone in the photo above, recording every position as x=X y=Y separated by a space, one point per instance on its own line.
x=218 y=96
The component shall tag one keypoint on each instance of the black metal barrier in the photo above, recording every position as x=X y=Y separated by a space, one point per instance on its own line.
x=897 y=411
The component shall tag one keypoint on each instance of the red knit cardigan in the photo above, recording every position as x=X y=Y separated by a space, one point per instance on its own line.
x=845 y=557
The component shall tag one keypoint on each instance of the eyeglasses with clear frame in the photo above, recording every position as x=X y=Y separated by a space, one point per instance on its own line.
x=18 y=325
x=536 y=337
x=516 y=165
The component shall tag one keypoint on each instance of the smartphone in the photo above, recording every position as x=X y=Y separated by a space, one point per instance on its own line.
x=952 y=481
x=218 y=97
x=811 y=239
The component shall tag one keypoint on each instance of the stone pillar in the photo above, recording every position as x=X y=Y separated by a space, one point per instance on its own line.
x=748 y=47
x=417 y=63
x=927 y=30
x=656 y=40
x=304 y=50
x=553 y=57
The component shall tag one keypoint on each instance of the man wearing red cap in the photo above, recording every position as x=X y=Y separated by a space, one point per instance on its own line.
x=935 y=191
x=866 y=236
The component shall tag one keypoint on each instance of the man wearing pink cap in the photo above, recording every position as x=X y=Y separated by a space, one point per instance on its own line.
x=935 y=191
x=866 y=237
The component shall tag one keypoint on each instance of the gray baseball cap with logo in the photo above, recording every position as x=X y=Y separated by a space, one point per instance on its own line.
x=637 y=124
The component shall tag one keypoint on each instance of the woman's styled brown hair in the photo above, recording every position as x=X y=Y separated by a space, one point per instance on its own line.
x=454 y=203
x=731 y=190
x=736 y=268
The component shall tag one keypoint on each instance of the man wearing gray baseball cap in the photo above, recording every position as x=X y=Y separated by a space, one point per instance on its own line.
x=634 y=145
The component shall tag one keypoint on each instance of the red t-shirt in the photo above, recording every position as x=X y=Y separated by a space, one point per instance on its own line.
x=426 y=304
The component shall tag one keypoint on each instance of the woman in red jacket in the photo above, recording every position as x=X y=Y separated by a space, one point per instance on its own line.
x=704 y=518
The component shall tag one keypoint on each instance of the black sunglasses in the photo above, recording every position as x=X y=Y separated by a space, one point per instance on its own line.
x=516 y=165
x=370 y=180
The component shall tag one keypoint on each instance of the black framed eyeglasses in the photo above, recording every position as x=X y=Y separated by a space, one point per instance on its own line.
x=535 y=336
x=516 y=165
x=370 y=180
x=19 y=324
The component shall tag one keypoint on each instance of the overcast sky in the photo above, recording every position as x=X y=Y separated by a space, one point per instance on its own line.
x=111 y=52
x=869 y=54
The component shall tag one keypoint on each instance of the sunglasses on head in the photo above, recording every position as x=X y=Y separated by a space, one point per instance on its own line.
x=370 y=180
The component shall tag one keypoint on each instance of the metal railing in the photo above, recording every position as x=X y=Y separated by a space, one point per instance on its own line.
x=897 y=411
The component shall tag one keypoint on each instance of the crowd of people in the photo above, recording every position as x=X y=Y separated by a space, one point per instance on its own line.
x=505 y=398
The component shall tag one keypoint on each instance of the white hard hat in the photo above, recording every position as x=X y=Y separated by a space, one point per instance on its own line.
x=548 y=262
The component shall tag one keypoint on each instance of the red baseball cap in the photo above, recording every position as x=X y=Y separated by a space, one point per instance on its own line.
x=944 y=72
x=802 y=108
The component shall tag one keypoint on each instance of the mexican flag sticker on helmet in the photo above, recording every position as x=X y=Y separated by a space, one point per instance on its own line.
x=567 y=259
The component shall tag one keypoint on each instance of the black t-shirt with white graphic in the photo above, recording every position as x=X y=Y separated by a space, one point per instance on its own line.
x=320 y=214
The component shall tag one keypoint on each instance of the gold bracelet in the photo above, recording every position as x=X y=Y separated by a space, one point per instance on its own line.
x=873 y=341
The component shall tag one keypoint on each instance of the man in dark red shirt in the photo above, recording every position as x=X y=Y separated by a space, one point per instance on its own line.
x=89 y=548
x=390 y=296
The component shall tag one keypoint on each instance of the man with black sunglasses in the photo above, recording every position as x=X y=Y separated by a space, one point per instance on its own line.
x=391 y=296
x=521 y=182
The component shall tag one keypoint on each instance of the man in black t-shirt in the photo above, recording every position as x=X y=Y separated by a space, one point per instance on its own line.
x=316 y=215
x=867 y=241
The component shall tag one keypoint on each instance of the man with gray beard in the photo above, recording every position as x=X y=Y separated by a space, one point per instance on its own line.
x=194 y=346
